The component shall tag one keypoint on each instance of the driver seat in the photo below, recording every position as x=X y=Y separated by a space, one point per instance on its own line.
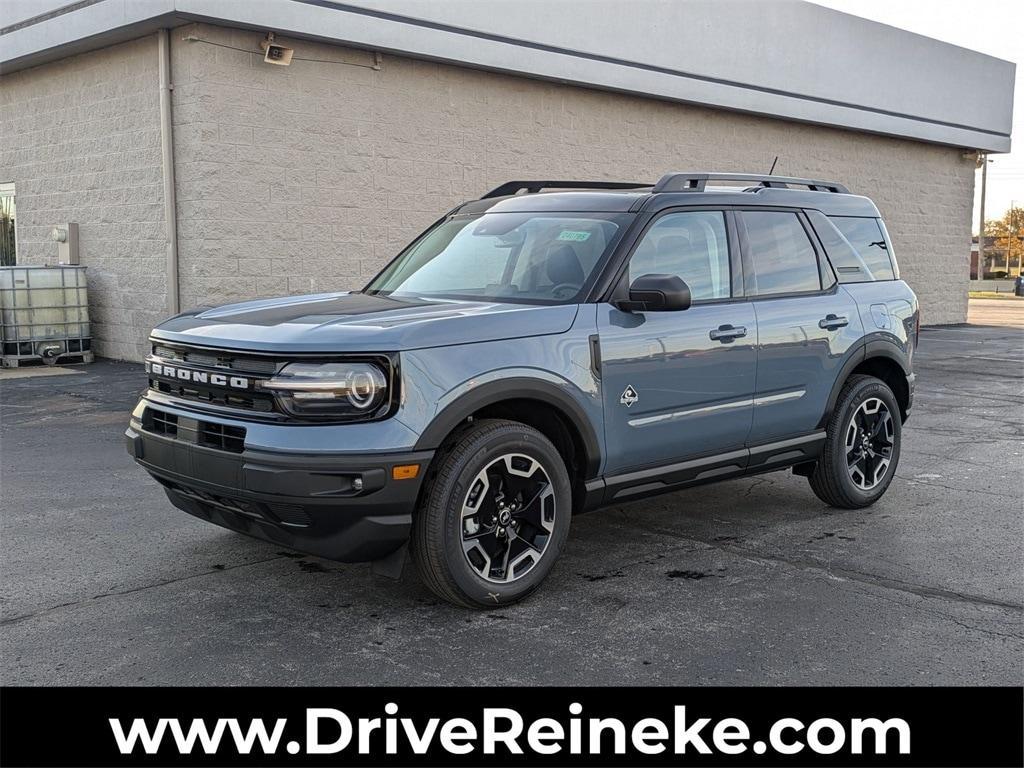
x=563 y=265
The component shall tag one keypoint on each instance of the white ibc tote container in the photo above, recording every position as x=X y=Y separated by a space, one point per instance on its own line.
x=44 y=315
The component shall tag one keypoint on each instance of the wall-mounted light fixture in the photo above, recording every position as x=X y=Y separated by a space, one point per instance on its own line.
x=274 y=53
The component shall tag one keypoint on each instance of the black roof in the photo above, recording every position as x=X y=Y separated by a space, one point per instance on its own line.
x=673 y=189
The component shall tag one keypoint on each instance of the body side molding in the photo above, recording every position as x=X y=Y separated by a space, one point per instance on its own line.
x=651 y=481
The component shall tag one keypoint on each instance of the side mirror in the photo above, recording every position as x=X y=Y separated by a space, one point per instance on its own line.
x=656 y=293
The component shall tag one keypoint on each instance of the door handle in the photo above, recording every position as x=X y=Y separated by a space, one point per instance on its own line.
x=726 y=333
x=831 y=322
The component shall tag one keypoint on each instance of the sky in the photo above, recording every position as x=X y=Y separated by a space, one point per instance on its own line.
x=995 y=27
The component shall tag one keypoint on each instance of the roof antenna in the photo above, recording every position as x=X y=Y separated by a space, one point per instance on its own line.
x=773 y=165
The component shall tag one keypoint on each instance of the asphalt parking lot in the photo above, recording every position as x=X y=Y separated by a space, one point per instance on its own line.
x=747 y=582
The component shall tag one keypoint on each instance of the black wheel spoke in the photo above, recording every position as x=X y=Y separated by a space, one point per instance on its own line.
x=519 y=488
x=499 y=566
x=862 y=466
x=852 y=455
x=532 y=534
x=517 y=546
x=496 y=487
x=479 y=535
x=532 y=510
x=538 y=491
x=492 y=545
x=486 y=508
x=869 y=469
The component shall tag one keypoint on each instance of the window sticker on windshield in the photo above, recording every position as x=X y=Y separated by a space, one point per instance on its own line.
x=576 y=237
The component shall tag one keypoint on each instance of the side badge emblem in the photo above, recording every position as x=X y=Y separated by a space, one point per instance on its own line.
x=629 y=396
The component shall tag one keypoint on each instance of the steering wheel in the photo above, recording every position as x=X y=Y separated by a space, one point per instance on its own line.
x=569 y=289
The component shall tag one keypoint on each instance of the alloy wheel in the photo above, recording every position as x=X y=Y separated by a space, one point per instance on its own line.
x=508 y=517
x=869 y=443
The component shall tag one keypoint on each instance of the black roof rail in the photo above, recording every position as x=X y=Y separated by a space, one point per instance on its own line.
x=697 y=182
x=512 y=187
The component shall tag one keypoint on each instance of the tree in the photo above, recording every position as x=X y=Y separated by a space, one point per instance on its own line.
x=1008 y=232
x=7 y=257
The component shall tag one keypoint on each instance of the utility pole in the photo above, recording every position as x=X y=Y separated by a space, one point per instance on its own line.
x=983 y=162
x=1013 y=242
x=1009 y=245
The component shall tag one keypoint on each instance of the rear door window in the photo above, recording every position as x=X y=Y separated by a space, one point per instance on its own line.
x=780 y=252
x=865 y=235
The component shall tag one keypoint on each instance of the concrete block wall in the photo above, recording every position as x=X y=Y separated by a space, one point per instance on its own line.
x=310 y=177
x=80 y=139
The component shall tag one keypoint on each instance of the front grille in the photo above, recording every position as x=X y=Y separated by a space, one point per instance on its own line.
x=160 y=422
x=226 y=362
x=210 y=359
x=258 y=402
x=223 y=437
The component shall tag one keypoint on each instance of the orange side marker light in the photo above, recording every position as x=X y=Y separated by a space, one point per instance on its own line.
x=405 y=471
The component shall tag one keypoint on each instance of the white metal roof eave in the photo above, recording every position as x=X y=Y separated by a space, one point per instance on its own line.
x=76 y=27
x=102 y=22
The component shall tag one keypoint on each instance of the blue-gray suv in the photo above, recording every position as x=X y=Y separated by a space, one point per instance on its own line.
x=550 y=348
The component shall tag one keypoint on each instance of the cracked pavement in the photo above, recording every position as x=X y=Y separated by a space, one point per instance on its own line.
x=747 y=582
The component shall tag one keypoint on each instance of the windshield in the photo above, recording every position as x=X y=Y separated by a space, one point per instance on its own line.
x=530 y=257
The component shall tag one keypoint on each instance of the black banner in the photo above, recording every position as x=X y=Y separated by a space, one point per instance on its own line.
x=528 y=726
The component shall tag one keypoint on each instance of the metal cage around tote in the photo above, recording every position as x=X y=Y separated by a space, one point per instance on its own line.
x=44 y=315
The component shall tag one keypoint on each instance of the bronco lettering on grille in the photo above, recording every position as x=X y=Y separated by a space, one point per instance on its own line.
x=198 y=377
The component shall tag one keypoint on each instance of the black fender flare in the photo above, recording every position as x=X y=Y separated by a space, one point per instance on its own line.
x=866 y=350
x=515 y=388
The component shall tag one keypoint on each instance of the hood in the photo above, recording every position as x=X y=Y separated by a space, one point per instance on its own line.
x=358 y=322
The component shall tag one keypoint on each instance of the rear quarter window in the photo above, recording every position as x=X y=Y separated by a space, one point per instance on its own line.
x=865 y=236
x=849 y=265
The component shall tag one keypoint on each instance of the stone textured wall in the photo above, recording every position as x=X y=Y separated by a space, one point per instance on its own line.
x=80 y=138
x=310 y=177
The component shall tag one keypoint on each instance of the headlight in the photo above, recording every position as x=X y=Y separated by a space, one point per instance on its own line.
x=342 y=389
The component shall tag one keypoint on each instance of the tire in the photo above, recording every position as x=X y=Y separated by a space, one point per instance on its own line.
x=837 y=481
x=492 y=475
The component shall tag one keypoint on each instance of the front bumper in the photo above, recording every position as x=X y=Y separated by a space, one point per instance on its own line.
x=304 y=501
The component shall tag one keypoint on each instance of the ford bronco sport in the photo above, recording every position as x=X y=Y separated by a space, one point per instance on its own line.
x=535 y=354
